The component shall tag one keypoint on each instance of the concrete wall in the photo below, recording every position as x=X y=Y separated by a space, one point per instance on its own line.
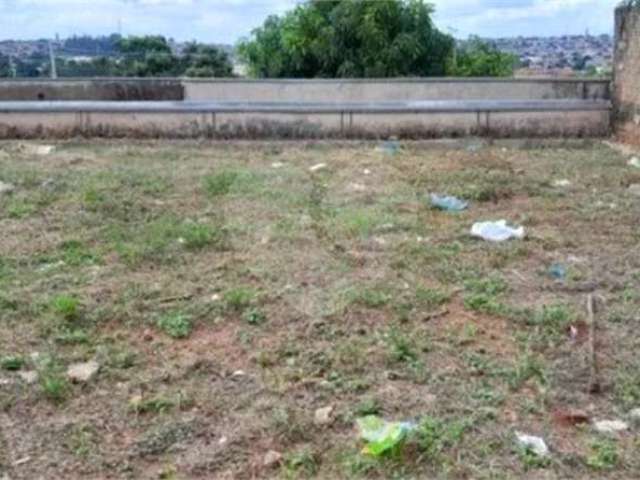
x=576 y=123
x=107 y=90
x=303 y=90
x=238 y=90
x=627 y=73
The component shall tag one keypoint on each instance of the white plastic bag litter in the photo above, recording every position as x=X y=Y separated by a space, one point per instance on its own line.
x=535 y=444
x=497 y=231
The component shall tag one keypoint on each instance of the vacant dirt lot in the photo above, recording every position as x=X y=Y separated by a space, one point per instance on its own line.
x=228 y=291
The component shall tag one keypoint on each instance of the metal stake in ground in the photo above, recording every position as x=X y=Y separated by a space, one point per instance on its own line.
x=594 y=371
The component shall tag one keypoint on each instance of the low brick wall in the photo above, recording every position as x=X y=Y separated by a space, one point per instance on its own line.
x=627 y=73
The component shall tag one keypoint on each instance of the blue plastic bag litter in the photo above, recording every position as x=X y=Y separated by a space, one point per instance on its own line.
x=448 y=203
x=558 y=271
x=390 y=147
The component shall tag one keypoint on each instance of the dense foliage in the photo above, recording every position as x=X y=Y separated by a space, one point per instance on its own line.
x=477 y=58
x=149 y=56
x=349 y=38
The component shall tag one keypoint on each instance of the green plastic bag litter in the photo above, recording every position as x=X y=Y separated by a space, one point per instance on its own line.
x=381 y=436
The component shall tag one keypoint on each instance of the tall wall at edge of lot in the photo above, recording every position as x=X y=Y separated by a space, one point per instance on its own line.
x=338 y=90
x=626 y=73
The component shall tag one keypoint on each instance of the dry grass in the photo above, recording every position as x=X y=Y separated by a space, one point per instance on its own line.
x=227 y=300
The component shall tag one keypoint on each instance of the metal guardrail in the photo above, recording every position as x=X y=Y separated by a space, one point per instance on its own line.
x=427 y=106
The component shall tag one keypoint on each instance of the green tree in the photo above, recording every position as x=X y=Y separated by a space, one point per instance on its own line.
x=201 y=60
x=149 y=56
x=477 y=58
x=349 y=38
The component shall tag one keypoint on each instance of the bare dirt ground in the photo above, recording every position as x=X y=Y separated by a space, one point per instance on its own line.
x=227 y=292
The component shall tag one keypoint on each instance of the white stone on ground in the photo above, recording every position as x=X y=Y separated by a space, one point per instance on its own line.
x=610 y=426
x=6 y=188
x=28 y=376
x=272 y=458
x=323 y=416
x=83 y=372
x=319 y=166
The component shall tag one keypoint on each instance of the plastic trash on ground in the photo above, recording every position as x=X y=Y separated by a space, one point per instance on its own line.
x=390 y=147
x=562 y=183
x=557 y=271
x=448 y=203
x=536 y=444
x=497 y=231
x=380 y=435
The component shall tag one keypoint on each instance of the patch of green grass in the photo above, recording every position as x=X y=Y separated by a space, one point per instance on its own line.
x=627 y=386
x=75 y=253
x=197 y=236
x=604 y=455
x=219 y=184
x=430 y=298
x=400 y=346
x=159 y=404
x=72 y=336
x=367 y=406
x=301 y=463
x=19 y=208
x=81 y=440
x=528 y=367
x=434 y=436
x=239 y=299
x=163 y=238
x=12 y=362
x=254 y=316
x=176 y=325
x=53 y=382
x=66 y=306
x=368 y=297
x=483 y=295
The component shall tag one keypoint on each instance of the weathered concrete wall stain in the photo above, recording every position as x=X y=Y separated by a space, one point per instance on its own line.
x=627 y=73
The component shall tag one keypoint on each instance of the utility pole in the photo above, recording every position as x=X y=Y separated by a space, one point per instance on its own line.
x=12 y=67
x=52 y=61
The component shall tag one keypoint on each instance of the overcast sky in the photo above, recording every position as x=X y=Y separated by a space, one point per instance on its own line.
x=225 y=21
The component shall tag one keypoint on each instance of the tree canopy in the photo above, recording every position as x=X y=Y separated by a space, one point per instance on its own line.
x=148 y=56
x=478 y=58
x=349 y=38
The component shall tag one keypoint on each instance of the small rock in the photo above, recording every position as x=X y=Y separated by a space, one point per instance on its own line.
x=561 y=183
x=29 y=376
x=367 y=171
x=272 y=458
x=323 y=416
x=83 y=372
x=238 y=373
x=536 y=444
x=318 y=167
x=634 y=189
x=634 y=162
x=223 y=441
x=277 y=165
x=610 y=426
x=216 y=297
x=5 y=381
x=635 y=414
x=43 y=150
x=356 y=187
x=6 y=188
